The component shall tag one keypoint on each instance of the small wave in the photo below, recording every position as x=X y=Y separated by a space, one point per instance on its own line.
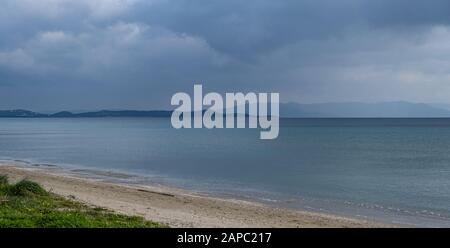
x=44 y=165
x=111 y=174
x=20 y=161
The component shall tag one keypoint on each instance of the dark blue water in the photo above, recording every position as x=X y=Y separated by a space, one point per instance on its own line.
x=395 y=170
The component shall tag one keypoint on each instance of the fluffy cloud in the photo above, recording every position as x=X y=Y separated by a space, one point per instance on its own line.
x=119 y=45
x=124 y=58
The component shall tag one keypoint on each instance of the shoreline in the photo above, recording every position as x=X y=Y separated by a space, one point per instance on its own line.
x=177 y=207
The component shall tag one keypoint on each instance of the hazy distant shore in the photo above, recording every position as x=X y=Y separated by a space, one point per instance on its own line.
x=400 y=109
x=176 y=207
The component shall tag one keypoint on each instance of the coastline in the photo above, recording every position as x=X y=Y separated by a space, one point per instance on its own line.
x=176 y=207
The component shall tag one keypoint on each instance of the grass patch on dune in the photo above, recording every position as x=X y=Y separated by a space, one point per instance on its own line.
x=27 y=204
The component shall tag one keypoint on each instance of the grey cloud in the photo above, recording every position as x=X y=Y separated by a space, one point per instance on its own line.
x=137 y=53
x=254 y=27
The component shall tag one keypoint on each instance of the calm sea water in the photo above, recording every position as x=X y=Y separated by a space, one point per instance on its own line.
x=395 y=170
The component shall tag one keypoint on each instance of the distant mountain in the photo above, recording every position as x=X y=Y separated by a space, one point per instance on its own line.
x=444 y=106
x=363 y=110
x=293 y=110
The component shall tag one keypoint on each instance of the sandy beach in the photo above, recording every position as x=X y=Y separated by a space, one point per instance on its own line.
x=176 y=207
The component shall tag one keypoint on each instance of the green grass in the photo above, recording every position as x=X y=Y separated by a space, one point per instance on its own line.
x=27 y=204
x=3 y=180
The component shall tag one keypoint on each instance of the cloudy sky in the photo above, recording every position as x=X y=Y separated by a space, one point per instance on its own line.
x=134 y=54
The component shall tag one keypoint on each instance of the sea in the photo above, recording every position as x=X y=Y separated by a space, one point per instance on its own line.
x=391 y=170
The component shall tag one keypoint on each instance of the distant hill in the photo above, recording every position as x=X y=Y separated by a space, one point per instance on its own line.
x=102 y=113
x=115 y=113
x=363 y=110
x=293 y=110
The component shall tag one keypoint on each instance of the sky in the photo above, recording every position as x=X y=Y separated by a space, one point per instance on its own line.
x=135 y=54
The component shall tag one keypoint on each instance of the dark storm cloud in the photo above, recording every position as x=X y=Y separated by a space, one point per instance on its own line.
x=251 y=27
x=62 y=54
x=254 y=26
